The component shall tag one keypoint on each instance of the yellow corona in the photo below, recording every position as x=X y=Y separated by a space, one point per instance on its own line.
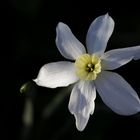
x=88 y=66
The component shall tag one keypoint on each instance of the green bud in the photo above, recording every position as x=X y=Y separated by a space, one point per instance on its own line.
x=24 y=87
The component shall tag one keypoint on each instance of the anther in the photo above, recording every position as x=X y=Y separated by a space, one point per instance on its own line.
x=90 y=67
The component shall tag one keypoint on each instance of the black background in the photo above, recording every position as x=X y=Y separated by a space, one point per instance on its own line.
x=30 y=25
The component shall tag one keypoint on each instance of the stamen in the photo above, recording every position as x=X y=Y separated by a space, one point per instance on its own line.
x=90 y=67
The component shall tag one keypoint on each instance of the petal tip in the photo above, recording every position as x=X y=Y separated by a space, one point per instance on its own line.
x=35 y=80
x=79 y=126
x=60 y=24
x=107 y=14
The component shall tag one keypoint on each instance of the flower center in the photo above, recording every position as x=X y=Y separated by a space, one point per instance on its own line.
x=88 y=66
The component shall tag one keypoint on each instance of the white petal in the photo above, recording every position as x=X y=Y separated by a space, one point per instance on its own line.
x=67 y=43
x=117 y=93
x=115 y=58
x=57 y=74
x=81 y=103
x=99 y=33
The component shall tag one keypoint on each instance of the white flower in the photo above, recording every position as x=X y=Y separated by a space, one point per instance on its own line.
x=90 y=71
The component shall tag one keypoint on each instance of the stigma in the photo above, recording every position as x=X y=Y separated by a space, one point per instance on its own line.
x=88 y=66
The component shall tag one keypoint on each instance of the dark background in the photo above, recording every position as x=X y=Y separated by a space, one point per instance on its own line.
x=31 y=27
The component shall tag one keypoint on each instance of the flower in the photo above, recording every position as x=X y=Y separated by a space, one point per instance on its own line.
x=89 y=71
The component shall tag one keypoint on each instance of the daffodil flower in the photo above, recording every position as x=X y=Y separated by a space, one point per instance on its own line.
x=88 y=70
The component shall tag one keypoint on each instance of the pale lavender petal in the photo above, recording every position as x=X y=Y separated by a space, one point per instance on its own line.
x=99 y=33
x=118 y=57
x=57 y=74
x=67 y=43
x=81 y=103
x=117 y=94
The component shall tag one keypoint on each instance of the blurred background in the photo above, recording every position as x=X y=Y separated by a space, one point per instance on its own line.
x=41 y=113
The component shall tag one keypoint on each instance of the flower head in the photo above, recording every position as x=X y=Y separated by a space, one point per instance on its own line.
x=89 y=71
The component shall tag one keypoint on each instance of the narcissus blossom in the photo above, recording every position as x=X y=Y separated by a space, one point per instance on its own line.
x=88 y=70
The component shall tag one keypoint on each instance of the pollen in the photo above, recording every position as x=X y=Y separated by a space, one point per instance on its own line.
x=88 y=67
